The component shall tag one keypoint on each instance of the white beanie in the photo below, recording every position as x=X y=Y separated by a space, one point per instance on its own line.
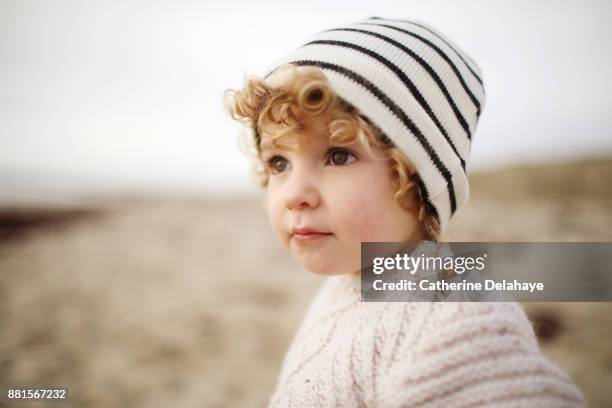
x=422 y=91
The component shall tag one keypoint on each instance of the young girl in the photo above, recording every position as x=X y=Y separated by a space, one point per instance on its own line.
x=364 y=134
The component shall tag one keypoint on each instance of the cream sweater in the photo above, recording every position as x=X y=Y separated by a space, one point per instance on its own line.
x=349 y=353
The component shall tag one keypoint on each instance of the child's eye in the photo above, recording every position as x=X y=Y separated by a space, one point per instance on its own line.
x=339 y=157
x=277 y=164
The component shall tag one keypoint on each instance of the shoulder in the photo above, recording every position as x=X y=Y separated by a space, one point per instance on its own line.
x=469 y=353
x=454 y=323
x=407 y=332
x=431 y=325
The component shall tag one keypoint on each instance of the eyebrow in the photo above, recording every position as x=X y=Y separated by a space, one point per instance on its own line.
x=266 y=146
x=270 y=146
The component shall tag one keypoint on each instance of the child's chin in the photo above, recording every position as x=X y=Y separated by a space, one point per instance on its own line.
x=323 y=262
x=325 y=269
x=327 y=272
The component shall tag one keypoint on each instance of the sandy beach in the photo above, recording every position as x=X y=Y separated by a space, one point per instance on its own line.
x=157 y=302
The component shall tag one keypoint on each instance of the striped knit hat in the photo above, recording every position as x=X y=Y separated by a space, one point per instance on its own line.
x=417 y=86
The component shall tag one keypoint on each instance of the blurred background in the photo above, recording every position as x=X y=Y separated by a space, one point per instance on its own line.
x=136 y=263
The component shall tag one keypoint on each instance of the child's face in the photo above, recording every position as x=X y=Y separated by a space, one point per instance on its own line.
x=340 y=192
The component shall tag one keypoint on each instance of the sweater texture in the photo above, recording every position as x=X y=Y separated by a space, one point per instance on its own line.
x=348 y=353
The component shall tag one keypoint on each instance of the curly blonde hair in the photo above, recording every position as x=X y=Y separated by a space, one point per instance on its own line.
x=273 y=108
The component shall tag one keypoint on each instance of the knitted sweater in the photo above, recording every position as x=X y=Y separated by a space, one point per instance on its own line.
x=349 y=353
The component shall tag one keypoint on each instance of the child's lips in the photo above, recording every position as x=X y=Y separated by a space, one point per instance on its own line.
x=310 y=236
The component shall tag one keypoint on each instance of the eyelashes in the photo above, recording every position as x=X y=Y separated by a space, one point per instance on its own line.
x=335 y=157
x=276 y=164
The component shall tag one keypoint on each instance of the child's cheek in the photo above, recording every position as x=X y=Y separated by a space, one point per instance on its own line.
x=361 y=219
x=275 y=218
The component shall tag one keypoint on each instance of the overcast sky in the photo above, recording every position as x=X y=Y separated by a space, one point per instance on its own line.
x=127 y=94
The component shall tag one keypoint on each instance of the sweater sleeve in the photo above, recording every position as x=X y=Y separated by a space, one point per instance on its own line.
x=474 y=355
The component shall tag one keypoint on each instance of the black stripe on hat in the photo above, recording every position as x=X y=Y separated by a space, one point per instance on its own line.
x=405 y=80
x=427 y=68
x=425 y=196
x=397 y=111
x=424 y=27
x=442 y=54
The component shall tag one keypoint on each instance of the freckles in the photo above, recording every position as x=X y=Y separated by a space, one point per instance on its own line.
x=370 y=217
x=373 y=226
x=360 y=218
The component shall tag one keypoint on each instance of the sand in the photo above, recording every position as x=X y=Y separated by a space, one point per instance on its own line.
x=156 y=302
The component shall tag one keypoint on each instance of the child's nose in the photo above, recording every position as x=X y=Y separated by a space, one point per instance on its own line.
x=302 y=190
